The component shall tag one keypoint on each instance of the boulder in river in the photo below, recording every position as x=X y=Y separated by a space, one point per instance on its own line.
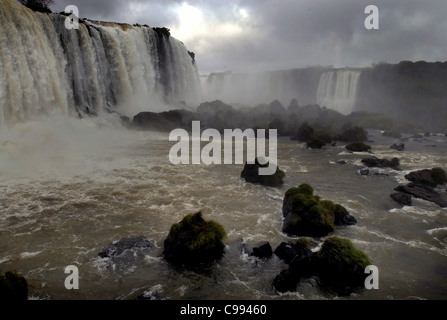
x=263 y=250
x=13 y=286
x=306 y=215
x=194 y=242
x=251 y=174
x=422 y=192
x=338 y=266
x=402 y=198
x=358 y=147
x=127 y=244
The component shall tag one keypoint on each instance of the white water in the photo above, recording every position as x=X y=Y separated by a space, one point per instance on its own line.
x=338 y=89
x=46 y=68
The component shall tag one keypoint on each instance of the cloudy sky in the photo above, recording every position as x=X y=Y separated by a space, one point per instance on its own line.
x=245 y=35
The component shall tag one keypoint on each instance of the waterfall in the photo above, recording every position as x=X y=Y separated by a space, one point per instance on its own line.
x=46 y=68
x=338 y=90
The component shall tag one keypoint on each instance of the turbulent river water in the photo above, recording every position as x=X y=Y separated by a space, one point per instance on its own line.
x=70 y=187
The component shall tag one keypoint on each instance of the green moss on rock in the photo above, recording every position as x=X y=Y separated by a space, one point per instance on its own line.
x=194 y=242
x=307 y=215
x=341 y=265
x=13 y=286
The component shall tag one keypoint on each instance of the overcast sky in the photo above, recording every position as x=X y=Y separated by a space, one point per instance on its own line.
x=245 y=35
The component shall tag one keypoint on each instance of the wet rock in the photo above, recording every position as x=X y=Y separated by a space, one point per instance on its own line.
x=194 y=242
x=306 y=215
x=341 y=162
x=287 y=251
x=363 y=172
x=118 y=248
x=13 y=286
x=165 y=121
x=358 y=147
x=422 y=192
x=381 y=163
x=251 y=174
x=338 y=266
x=263 y=250
x=427 y=177
x=402 y=198
x=398 y=147
x=316 y=144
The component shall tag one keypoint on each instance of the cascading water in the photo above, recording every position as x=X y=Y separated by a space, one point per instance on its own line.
x=46 y=68
x=338 y=89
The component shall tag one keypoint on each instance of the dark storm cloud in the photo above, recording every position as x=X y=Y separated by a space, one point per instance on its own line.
x=292 y=33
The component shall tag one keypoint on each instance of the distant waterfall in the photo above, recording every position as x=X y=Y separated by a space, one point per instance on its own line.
x=338 y=90
x=46 y=68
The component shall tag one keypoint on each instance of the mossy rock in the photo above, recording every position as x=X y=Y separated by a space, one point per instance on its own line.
x=358 y=147
x=251 y=174
x=438 y=175
x=307 y=215
x=13 y=286
x=194 y=242
x=340 y=265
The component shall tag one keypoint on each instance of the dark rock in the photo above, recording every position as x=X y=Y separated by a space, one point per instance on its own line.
x=13 y=287
x=422 y=192
x=306 y=215
x=251 y=174
x=402 y=198
x=305 y=133
x=398 y=147
x=358 y=147
x=287 y=251
x=316 y=144
x=194 y=242
x=263 y=250
x=288 y=279
x=427 y=177
x=363 y=172
x=338 y=265
x=165 y=121
x=341 y=162
x=118 y=248
x=348 y=220
x=341 y=267
x=381 y=163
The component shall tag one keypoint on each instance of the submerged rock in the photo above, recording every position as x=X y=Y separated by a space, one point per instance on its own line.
x=251 y=174
x=306 y=215
x=358 y=147
x=398 y=147
x=118 y=248
x=13 y=286
x=316 y=144
x=194 y=242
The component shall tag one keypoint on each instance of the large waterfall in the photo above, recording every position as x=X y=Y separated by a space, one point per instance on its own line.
x=338 y=90
x=46 y=68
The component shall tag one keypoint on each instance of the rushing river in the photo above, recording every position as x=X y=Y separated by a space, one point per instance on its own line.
x=70 y=187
